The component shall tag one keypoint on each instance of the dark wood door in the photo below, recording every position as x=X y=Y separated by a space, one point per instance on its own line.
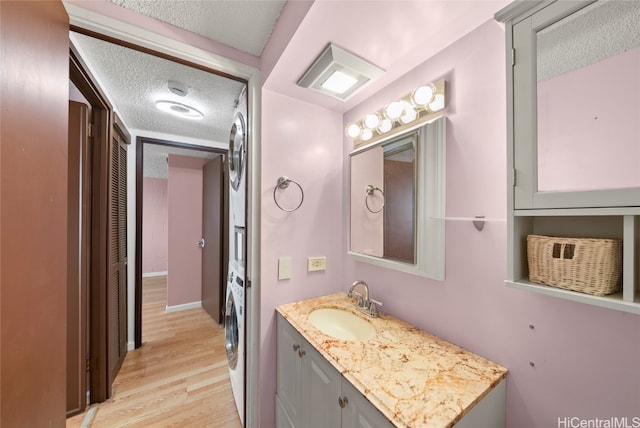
x=399 y=211
x=117 y=283
x=34 y=41
x=78 y=233
x=212 y=234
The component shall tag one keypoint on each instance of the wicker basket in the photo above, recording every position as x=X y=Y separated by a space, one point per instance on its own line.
x=591 y=266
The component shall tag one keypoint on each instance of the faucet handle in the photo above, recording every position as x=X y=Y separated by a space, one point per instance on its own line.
x=373 y=307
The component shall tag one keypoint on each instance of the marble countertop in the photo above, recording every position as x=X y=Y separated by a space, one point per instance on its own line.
x=413 y=377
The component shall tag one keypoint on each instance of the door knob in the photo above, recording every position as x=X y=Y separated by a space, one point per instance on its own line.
x=200 y=243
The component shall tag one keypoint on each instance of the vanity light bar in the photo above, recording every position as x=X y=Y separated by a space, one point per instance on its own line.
x=423 y=103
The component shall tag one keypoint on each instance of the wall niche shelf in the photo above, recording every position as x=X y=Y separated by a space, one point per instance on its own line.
x=590 y=213
x=622 y=223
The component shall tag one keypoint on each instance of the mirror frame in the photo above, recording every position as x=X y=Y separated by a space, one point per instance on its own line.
x=430 y=201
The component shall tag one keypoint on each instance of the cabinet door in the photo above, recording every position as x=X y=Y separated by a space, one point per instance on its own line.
x=321 y=390
x=358 y=412
x=568 y=151
x=282 y=417
x=288 y=377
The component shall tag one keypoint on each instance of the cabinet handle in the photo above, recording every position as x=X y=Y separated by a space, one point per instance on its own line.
x=301 y=353
x=343 y=401
x=296 y=347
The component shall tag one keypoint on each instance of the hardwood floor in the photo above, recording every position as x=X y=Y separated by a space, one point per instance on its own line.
x=179 y=377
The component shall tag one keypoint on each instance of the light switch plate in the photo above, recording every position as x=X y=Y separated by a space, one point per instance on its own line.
x=284 y=268
x=316 y=263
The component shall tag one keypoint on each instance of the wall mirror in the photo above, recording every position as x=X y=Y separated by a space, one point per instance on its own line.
x=578 y=67
x=397 y=200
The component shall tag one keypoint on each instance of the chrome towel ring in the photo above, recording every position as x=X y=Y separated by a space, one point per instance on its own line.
x=283 y=183
x=369 y=190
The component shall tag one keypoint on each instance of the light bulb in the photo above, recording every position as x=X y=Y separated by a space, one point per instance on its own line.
x=385 y=125
x=371 y=121
x=437 y=103
x=408 y=115
x=423 y=95
x=353 y=130
x=366 y=135
x=393 y=110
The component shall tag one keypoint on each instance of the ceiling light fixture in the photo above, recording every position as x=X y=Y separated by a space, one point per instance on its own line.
x=421 y=105
x=179 y=109
x=338 y=73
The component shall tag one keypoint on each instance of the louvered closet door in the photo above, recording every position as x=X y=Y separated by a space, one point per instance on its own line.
x=117 y=288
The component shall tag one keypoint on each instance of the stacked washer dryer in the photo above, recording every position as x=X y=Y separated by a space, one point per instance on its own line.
x=234 y=320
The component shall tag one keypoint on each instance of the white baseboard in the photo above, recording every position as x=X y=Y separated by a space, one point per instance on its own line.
x=131 y=345
x=183 y=307
x=152 y=274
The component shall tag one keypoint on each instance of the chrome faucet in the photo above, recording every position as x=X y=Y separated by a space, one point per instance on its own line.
x=360 y=290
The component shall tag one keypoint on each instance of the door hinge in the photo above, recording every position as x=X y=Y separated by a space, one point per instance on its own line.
x=90 y=130
x=514 y=176
x=513 y=57
x=88 y=365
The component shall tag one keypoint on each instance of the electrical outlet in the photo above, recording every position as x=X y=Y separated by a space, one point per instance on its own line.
x=316 y=263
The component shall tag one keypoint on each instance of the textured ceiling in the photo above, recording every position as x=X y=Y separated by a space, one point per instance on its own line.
x=135 y=80
x=598 y=31
x=243 y=24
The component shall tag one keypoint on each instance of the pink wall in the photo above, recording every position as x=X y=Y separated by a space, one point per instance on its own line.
x=303 y=142
x=185 y=229
x=154 y=225
x=589 y=126
x=586 y=358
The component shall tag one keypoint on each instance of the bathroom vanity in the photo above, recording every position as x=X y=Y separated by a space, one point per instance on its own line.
x=401 y=377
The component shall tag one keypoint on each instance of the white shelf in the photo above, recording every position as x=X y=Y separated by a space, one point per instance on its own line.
x=612 y=301
x=561 y=212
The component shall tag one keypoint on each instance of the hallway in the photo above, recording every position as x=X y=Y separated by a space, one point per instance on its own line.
x=179 y=377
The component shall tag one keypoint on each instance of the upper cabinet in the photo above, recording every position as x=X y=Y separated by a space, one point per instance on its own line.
x=576 y=105
x=573 y=102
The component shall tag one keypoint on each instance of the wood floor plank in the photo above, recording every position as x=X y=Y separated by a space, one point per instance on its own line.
x=178 y=378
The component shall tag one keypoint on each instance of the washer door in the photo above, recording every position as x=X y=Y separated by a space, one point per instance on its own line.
x=237 y=150
x=231 y=332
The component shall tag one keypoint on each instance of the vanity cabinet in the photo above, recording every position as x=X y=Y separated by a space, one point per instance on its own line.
x=573 y=160
x=312 y=393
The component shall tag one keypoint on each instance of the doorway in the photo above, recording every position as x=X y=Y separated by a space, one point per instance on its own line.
x=126 y=35
x=193 y=243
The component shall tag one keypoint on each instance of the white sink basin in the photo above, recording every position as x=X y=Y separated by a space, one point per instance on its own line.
x=342 y=324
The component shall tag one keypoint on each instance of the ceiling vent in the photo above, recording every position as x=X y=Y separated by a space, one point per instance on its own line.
x=339 y=73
